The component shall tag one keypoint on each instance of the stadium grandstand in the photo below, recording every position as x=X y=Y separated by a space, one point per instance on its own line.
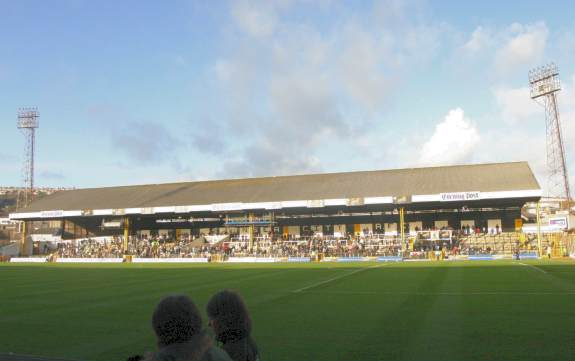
x=470 y=210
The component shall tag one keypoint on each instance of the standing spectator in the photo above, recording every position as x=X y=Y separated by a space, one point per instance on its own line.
x=232 y=324
x=178 y=327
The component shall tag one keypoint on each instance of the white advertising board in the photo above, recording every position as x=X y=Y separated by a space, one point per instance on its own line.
x=90 y=260
x=170 y=260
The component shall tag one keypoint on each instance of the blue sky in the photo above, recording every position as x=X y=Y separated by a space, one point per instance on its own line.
x=134 y=92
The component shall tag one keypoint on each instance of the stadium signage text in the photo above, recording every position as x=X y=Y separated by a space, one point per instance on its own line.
x=112 y=224
x=173 y=220
x=52 y=214
x=459 y=196
x=170 y=260
x=89 y=260
x=559 y=222
x=28 y=259
x=186 y=220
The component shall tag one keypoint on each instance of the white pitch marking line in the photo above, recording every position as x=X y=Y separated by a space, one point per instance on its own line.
x=534 y=267
x=335 y=278
x=446 y=293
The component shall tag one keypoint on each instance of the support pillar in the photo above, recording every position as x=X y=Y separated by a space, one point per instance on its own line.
x=539 y=230
x=126 y=234
x=272 y=226
x=23 y=251
x=226 y=224
x=252 y=231
x=402 y=228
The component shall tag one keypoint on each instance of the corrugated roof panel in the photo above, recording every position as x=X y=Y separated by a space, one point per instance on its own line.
x=396 y=182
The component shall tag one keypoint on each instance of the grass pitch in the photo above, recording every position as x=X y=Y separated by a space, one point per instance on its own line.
x=498 y=310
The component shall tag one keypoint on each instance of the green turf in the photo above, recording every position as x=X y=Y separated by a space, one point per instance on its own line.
x=498 y=310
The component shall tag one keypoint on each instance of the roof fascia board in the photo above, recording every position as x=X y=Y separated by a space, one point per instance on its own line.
x=512 y=194
x=378 y=200
x=25 y=215
x=238 y=206
x=103 y=212
x=462 y=196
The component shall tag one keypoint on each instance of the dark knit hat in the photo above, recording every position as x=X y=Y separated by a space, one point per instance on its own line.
x=176 y=319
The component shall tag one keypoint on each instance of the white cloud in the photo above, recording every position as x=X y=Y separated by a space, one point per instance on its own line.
x=285 y=98
x=304 y=112
x=304 y=100
x=236 y=83
x=400 y=12
x=257 y=18
x=3 y=72
x=304 y=83
x=51 y=174
x=567 y=94
x=5 y=157
x=565 y=42
x=516 y=104
x=521 y=134
x=510 y=144
x=524 y=45
x=361 y=69
x=453 y=141
x=293 y=88
x=180 y=60
x=480 y=39
x=422 y=42
x=145 y=142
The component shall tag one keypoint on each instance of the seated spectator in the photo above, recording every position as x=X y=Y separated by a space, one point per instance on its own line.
x=178 y=327
x=232 y=325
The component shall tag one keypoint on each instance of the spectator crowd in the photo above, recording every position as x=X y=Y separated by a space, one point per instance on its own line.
x=447 y=241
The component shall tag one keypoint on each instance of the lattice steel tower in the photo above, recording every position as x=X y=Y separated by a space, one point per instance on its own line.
x=27 y=123
x=544 y=82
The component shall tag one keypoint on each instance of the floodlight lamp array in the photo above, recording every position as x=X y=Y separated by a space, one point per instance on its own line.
x=544 y=80
x=28 y=118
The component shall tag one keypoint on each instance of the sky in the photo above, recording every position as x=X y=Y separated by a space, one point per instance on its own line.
x=135 y=92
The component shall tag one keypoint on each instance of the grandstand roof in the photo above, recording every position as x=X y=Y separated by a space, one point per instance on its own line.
x=496 y=177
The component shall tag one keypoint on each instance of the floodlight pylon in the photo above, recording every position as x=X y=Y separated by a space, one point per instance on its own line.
x=545 y=83
x=27 y=123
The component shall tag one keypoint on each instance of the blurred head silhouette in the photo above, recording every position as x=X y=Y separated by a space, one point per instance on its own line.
x=229 y=316
x=175 y=320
